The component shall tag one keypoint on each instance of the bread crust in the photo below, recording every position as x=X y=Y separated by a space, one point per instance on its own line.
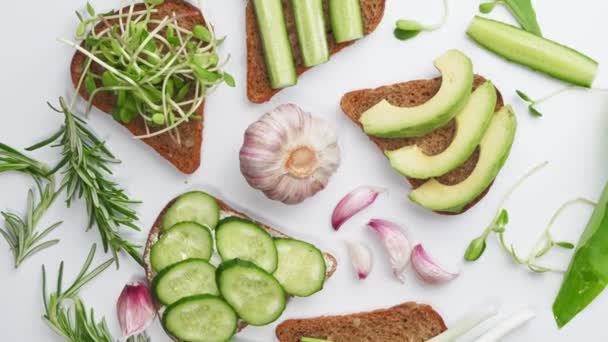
x=155 y=231
x=258 y=86
x=409 y=322
x=409 y=94
x=186 y=156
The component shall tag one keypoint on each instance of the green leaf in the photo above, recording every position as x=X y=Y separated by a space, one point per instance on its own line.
x=524 y=96
x=202 y=33
x=565 y=244
x=109 y=80
x=90 y=9
x=487 y=7
x=475 y=249
x=409 y=25
x=499 y=229
x=534 y=111
x=90 y=84
x=182 y=92
x=229 y=80
x=81 y=30
x=155 y=2
x=204 y=74
x=503 y=218
x=405 y=35
x=524 y=13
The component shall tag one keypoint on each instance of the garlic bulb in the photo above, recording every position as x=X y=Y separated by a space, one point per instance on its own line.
x=289 y=154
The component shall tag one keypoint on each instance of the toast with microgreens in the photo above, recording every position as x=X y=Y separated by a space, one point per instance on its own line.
x=151 y=65
x=336 y=29
x=207 y=259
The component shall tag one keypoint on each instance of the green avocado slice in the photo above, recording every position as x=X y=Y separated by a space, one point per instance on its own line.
x=494 y=151
x=471 y=124
x=389 y=121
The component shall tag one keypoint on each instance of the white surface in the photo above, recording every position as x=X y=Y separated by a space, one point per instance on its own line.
x=34 y=69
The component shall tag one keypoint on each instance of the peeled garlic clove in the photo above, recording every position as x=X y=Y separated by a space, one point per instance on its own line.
x=355 y=201
x=289 y=154
x=427 y=270
x=361 y=258
x=396 y=243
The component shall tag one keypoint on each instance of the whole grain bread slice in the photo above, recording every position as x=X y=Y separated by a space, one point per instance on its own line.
x=225 y=210
x=258 y=86
x=186 y=155
x=409 y=94
x=408 y=322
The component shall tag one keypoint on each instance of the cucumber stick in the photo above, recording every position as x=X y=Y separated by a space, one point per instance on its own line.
x=346 y=20
x=310 y=25
x=280 y=64
x=536 y=52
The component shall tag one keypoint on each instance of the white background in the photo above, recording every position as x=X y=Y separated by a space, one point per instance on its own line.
x=34 y=69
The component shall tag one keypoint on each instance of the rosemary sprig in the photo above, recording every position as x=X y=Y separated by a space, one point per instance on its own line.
x=20 y=233
x=85 y=171
x=79 y=324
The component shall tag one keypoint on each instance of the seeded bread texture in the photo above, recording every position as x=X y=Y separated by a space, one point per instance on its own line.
x=410 y=94
x=330 y=261
x=185 y=156
x=408 y=322
x=258 y=86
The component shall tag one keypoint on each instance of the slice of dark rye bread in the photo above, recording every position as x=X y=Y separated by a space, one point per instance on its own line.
x=185 y=156
x=225 y=210
x=258 y=86
x=408 y=322
x=409 y=94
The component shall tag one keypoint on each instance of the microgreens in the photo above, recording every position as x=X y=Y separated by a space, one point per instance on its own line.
x=85 y=174
x=522 y=10
x=406 y=29
x=20 y=232
x=532 y=104
x=78 y=325
x=544 y=244
x=159 y=69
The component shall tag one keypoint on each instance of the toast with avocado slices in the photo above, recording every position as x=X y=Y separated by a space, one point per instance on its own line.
x=202 y=253
x=259 y=88
x=410 y=322
x=184 y=153
x=415 y=93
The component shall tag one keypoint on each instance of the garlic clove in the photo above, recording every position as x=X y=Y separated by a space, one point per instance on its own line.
x=361 y=258
x=427 y=270
x=354 y=202
x=135 y=309
x=289 y=154
x=396 y=243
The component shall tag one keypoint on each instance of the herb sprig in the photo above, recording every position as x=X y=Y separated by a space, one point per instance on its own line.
x=79 y=324
x=85 y=171
x=407 y=28
x=533 y=103
x=522 y=10
x=20 y=232
x=159 y=69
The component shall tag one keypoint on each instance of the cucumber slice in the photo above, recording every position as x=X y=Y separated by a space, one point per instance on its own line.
x=277 y=49
x=310 y=25
x=186 y=240
x=195 y=206
x=255 y=295
x=202 y=318
x=185 y=279
x=536 y=52
x=239 y=238
x=346 y=20
x=302 y=269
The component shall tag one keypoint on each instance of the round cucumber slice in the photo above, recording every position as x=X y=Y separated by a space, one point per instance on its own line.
x=203 y=318
x=239 y=238
x=195 y=206
x=185 y=279
x=302 y=269
x=255 y=295
x=186 y=240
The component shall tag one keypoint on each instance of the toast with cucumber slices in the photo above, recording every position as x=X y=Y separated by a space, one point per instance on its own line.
x=212 y=263
x=184 y=154
x=410 y=322
x=407 y=153
x=298 y=50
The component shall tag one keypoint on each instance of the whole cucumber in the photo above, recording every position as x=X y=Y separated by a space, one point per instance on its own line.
x=587 y=275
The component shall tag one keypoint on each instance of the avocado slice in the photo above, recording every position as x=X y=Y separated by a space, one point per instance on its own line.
x=494 y=150
x=471 y=124
x=388 y=121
